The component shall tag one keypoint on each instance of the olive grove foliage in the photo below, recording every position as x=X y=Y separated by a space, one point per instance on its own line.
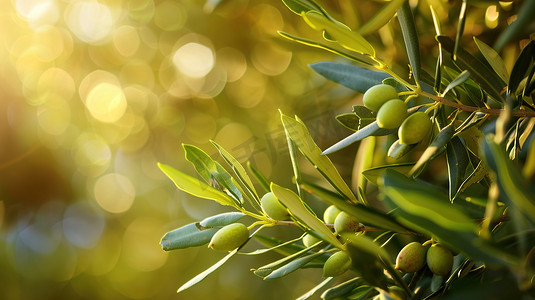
x=482 y=119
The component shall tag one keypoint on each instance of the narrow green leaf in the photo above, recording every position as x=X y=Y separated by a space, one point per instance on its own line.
x=265 y=270
x=349 y=120
x=481 y=73
x=186 y=236
x=460 y=28
x=318 y=287
x=381 y=18
x=373 y=174
x=366 y=214
x=300 y=6
x=207 y=272
x=342 y=289
x=515 y=188
x=366 y=116
x=366 y=259
x=457 y=81
x=293 y=266
x=298 y=210
x=196 y=187
x=238 y=169
x=410 y=36
x=398 y=150
x=211 y=170
x=368 y=130
x=426 y=202
x=221 y=219
x=494 y=59
x=523 y=65
x=476 y=176
x=356 y=57
x=344 y=36
x=353 y=77
x=457 y=160
x=298 y=133
x=259 y=177
x=423 y=209
x=436 y=147
x=364 y=161
x=286 y=248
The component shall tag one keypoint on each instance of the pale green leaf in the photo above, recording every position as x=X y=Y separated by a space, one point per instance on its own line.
x=196 y=187
x=457 y=160
x=221 y=219
x=353 y=77
x=186 y=236
x=494 y=59
x=382 y=17
x=410 y=36
x=298 y=133
x=298 y=210
x=369 y=130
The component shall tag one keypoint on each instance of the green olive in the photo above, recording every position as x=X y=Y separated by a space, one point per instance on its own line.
x=229 y=237
x=345 y=222
x=392 y=114
x=336 y=264
x=415 y=128
x=329 y=215
x=309 y=240
x=439 y=260
x=378 y=95
x=411 y=258
x=272 y=207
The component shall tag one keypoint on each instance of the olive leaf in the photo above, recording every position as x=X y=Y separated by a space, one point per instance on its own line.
x=353 y=77
x=186 y=236
x=410 y=36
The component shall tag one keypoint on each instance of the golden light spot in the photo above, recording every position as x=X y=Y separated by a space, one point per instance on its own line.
x=270 y=60
x=126 y=40
x=38 y=12
x=90 y=21
x=169 y=16
x=56 y=82
x=233 y=62
x=48 y=43
x=106 y=102
x=55 y=116
x=144 y=253
x=114 y=192
x=248 y=91
x=491 y=16
x=91 y=154
x=194 y=60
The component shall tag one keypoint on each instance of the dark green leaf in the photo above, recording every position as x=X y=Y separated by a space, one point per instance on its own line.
x=369 y=130
x=293 y=266
x=366 y=214
x=523 y=65
x=410 y=36
x=207 y=272
x=366 y=115
x=515 y=188
x=296 y=130
x=353 y=77
x=342 y=289
x=457 y=81
x=221 y=219
x=196 y=187
x=436 y=147
x=476 y=176
x=494 y=59
x=481 y=73
x=397 y=150
x=286 y=248
x=259 y=177
x=186 y=236
x=373 y=174
x=457 y=160
x=366 y=259
x=460 y=28
x=350 y=121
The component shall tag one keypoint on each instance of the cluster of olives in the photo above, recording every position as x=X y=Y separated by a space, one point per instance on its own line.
x=414 y=256
x=392 y=113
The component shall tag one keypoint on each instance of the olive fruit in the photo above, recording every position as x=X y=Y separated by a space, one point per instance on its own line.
x=392 y=114
x=336 y=264
x=411 y=258
x=439 y=260
x=329 y=215
x=415 y=128
x=309 y=240
x=377 y=95
x=229 y=237
x=345 y=222
x=273 y=208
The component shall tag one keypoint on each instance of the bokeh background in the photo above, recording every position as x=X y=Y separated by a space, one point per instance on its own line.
x=94 y=93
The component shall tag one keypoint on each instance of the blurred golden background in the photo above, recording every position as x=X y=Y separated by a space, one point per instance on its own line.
x=94 y=93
